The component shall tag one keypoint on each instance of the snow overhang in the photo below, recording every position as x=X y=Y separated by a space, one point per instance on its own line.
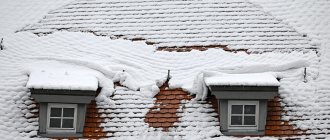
x=244 y=92
x=62 y=85
x=243 y=86
x=252 y=79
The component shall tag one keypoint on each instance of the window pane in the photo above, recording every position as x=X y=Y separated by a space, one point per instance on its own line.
x=249 y=120
x=236 y=120
x=55 y=123
x=237 y=109
x=68 y=112
x=249 y=109
x=55 y=112
x=67 y=123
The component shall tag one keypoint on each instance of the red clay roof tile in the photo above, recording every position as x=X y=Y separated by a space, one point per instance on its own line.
x=169 y=101
x=172 y=110
x=274 y=125
x=180 y=97
x=175 y=101
x=167 y=124
x=170 y=97
x=161 y=96
x=150 y=115
x=152 y=120
x=165 y=92
x=164 y=111
x=157 y=124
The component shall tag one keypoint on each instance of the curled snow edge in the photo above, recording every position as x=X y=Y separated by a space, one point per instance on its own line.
x=107 y=77
x=200 y=88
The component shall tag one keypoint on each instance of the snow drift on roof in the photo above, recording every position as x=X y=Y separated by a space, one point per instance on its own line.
x=253 y=79
x=167 y=23
x=143 y=66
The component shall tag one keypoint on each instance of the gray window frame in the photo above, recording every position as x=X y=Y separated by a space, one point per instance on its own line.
x=243 y=103
x=80 y=122
x=60 y=130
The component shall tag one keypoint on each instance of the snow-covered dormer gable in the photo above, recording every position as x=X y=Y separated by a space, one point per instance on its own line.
x=63 y=97
x=242 y=101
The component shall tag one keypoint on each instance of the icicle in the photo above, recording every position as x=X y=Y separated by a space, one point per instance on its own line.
x=1 y=46
x=168 y=75
x=305 y=75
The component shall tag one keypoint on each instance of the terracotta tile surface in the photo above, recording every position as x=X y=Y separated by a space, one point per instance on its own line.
x=274 y=125
x=163 y=113
x=170 y=106
x=214 y=102
x=92 y=127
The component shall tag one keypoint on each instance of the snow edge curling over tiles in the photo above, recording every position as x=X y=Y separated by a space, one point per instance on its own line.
x=253 y=79
x=143 y=66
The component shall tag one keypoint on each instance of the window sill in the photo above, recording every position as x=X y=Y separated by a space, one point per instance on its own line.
x=62 y=135
x=243 y=133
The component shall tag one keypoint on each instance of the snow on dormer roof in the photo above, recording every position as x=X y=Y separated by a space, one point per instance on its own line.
x=61 y=79
x=251 y=79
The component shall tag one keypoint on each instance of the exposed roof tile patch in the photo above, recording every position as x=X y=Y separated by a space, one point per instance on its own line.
x=93 y=121
x=275 y=126
x=238 y=24
x=164 y=113
x=190 y=48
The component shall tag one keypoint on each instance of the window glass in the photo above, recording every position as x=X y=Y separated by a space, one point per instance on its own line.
x=243 y=114
x=236 y=120
x=249 y=109
x=55 y=112
x=67 y=123
x=68 y=112
x=62 y=116
x=249 y=120
x=237 y=109
x=55 y=123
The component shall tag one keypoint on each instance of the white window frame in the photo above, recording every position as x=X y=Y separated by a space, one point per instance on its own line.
x=244 y=127
x=61 y=130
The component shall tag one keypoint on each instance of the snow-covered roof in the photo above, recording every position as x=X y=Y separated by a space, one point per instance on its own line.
x=253 y=79
x=66 y=80
x=166 y=23
x=238 y=24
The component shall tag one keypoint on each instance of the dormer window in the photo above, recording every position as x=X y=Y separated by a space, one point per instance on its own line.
x=63 y=99
x=242 y=101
